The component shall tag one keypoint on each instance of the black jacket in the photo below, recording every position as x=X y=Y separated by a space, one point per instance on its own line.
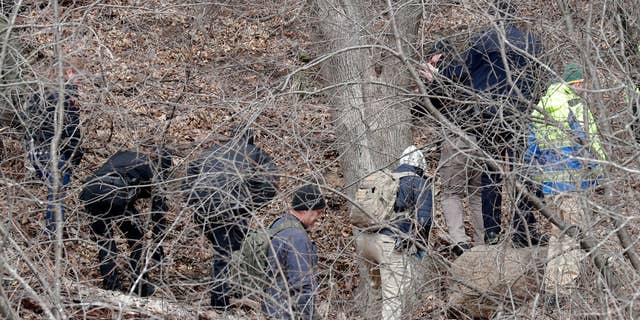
x=237 y=176
x=126 y=177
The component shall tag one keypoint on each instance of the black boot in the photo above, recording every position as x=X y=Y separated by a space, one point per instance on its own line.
x=460 y=248
x=491 y=238
x=144 y=288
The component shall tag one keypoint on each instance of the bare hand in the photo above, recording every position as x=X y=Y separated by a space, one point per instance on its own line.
x=429 y=70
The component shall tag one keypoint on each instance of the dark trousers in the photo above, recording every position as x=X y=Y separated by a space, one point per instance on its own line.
x=226 y=237
x=41 y=162
x=109 y=214
x=523 y=221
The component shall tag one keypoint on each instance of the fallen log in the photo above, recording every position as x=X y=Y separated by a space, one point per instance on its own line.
x=124 y=304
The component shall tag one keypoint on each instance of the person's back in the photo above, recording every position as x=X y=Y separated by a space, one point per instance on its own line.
x=237 y=175
x=125 y=176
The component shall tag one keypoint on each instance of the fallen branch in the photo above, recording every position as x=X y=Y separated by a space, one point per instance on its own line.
x=150 y=307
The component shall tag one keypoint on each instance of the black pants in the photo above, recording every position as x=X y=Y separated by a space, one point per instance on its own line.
x=524 y=222
x=109 y=214
x=226 y=237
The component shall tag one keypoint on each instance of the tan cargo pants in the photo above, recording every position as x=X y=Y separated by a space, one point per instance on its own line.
x=389 y=270
x=461 y=178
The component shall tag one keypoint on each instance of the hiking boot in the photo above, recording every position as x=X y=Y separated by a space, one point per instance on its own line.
x=491 y=238
x=222 y=303
x=144 y=289
x=460 y=248
x=112 y=282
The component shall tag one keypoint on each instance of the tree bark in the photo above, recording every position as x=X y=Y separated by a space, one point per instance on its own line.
x=369 y=112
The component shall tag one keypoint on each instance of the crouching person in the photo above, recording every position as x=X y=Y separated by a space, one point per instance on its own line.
x=293 y=259
x=225 y=186
x=393 y=221
x=110 y=196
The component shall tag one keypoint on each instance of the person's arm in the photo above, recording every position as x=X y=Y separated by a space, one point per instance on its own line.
x=424 y=205
x=159 y=220
x=300 y=261
x=455 y=71
x=264 y=183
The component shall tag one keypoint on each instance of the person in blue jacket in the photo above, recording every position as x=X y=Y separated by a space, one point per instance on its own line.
x=225 y=186
x=504 y=93
x=293 y=259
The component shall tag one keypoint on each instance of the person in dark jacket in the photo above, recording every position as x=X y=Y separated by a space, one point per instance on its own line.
x=293 y=259
x=507 y=92
x=388 y=251
x=40 y=134
x=224 y=187
x=110 y=195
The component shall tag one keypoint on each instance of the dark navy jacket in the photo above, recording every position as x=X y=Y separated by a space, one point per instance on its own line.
x=483 y=63
x=41 y=124
x=415 y=198
x=293 y=261
x=234 y=177
x=483 y=67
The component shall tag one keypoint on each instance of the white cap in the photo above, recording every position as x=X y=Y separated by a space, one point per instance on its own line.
x=413 y=157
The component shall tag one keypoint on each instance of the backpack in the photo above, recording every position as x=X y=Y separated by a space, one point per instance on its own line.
x=376 y=195
x=249 y=265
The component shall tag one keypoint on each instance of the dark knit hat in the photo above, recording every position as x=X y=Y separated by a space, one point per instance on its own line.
x=308 y=197
x=573 y=73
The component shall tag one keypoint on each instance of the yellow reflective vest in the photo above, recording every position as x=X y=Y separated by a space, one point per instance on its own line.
x=564 y=135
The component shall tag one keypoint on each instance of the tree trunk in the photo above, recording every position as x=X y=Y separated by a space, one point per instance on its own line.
x=370 y=114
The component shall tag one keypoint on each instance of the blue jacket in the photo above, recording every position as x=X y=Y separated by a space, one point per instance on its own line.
x=483 y=63
x=293 y=261
x=414 y=197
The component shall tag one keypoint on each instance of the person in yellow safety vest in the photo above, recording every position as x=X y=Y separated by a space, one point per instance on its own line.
x=563 y=145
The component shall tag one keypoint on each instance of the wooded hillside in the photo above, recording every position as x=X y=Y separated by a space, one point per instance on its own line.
x=185 y=73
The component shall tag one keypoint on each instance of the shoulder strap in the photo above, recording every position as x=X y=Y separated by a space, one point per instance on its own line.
x=283 y=226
